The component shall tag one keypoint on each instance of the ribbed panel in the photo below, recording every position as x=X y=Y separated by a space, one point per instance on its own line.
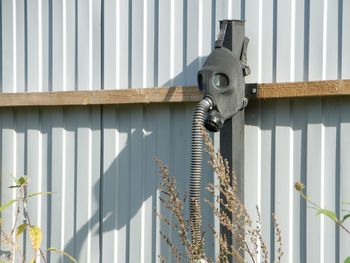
x=98 y=160
x=299 y=140
x=82 y=45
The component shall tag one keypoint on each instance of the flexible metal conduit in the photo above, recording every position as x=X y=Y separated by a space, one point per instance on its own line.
x=196 y=167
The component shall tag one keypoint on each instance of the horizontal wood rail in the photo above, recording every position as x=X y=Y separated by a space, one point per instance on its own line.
x=173 y=94
x=98 y=97
x=303 y=89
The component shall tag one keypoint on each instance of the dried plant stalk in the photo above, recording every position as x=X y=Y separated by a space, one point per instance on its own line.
x=278 y=234
x=247 y=240
x=172 y=201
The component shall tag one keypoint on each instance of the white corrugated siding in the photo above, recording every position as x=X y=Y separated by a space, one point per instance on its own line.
x=98 y=160
x=299 y=140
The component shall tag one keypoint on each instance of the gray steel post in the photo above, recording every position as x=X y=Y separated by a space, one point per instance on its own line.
x=232 y=134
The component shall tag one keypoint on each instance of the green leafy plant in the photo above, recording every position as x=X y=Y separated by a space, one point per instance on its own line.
x=10 y=240
x=322 y=211
x=247 y=240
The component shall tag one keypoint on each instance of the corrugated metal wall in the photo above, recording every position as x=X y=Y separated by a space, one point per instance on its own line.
x=99 y=163
x=98 y=160
x=303 y=140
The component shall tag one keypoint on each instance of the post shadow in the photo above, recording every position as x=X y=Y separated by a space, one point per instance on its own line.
x=109 y=217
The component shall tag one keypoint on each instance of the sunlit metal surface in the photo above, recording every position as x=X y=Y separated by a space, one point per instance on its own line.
x=98 y=160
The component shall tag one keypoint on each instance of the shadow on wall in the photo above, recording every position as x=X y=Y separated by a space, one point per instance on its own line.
x=187 y=77
x=130 y=182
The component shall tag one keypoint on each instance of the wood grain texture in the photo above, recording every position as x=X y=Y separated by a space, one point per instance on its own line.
x=125 y=96
x=303 y=89
x=169 y=95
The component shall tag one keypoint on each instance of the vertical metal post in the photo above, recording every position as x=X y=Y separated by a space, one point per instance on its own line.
x=232 y=148
x=232 y=134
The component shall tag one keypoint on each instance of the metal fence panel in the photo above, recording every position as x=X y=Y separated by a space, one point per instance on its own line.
x=298 y=140
x=98 y=160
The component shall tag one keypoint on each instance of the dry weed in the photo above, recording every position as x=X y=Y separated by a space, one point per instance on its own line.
x=247 y=241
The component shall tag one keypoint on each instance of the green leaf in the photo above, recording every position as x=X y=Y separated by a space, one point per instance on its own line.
x=328 y=213
x=345 y=217
x=6 y=205
x=347 y=260
x=22 y=180
x=14 y=186
x=35 y=237
x=40 y=193
x=20 y=229
x=32 y=260
x=62 y=253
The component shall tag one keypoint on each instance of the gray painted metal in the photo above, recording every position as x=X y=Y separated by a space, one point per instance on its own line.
x=99 y=164
x=299 y=140
x=98 y=160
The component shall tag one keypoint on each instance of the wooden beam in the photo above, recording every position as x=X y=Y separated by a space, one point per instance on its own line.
x=125 y=96
x=171 y=95
x=303 y=89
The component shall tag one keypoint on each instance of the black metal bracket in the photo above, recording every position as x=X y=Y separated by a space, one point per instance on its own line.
x=251 y=91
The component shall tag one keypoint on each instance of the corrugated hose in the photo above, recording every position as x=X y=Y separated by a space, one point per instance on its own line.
x=199 y=115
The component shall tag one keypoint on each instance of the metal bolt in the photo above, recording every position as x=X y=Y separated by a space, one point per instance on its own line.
x=253 y=90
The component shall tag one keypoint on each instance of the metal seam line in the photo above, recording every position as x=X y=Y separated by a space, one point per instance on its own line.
x=116 y=148
x=260 y=19
x=158 y=203
x=172 y=41
x=200 y=28
x=14 y=169
x=324 y=76
x=322 y=201
x=63 y=204
x=117 y=43
x=145 y=46
x=258 y=201
x=292 y=41
x=64 y=44
x=40 y=173
x=40 y=46
x=90 y=193
x=14 y=47
x=144 y=84
x=40 y=76
x=291 y=191
x=291 y=134
x=143 y=211
x=324 y=40
x=260 y=27
x=90 y=45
